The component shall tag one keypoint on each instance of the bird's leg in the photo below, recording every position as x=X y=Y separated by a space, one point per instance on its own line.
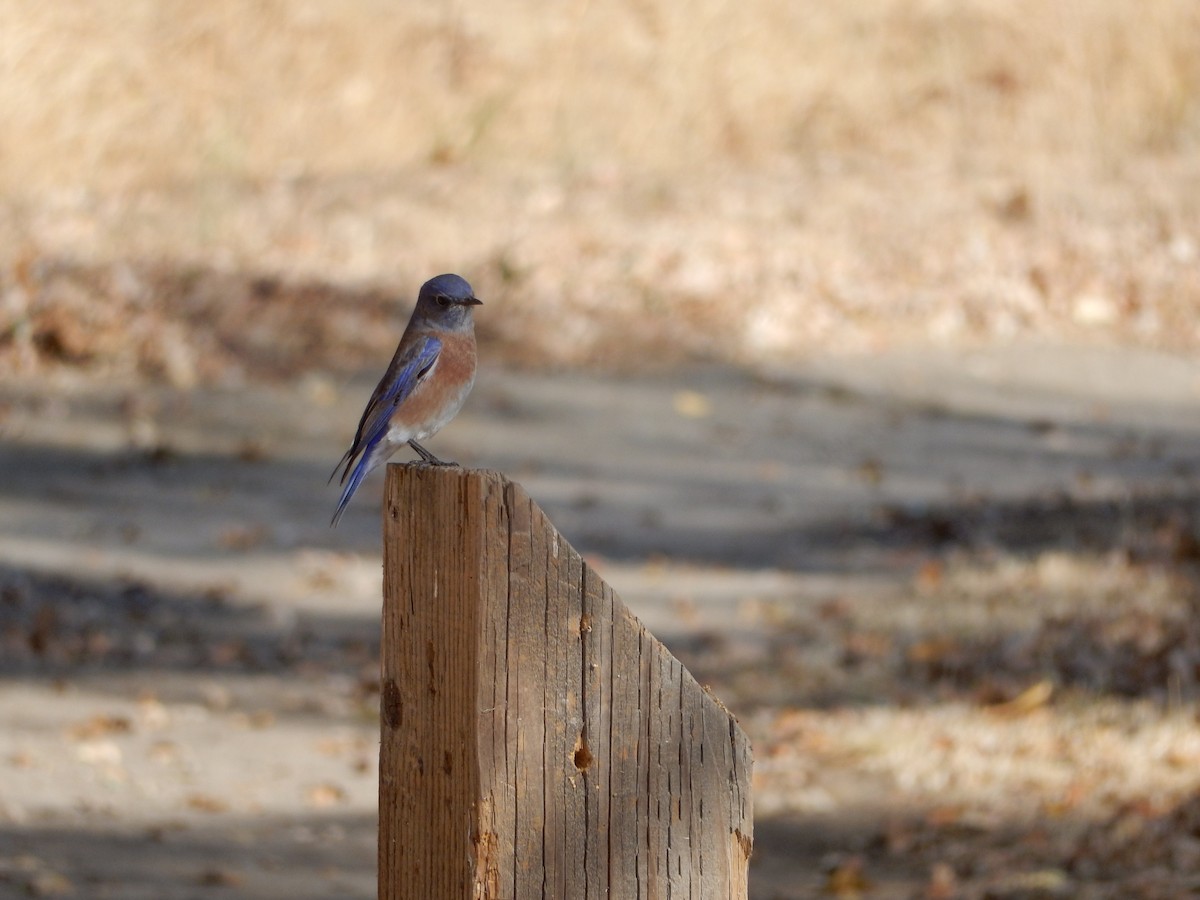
x=429 y=457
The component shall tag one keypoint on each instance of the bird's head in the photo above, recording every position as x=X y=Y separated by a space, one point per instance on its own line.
x=446 y=301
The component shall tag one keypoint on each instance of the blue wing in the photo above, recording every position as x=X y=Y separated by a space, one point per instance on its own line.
x=408 y=368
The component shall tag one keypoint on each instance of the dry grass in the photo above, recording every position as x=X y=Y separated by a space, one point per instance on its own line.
x=754 y=268
x=119 y=94
x=636 y=181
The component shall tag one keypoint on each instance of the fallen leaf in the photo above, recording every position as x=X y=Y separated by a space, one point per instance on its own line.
x=1033 y=697
x=164 y=751
x=1044 y=884
x=22 y=759
x=870 y=470
x=929 y=575
x=243 y=537
x=49 y=884
x=692 y=404
x=219 y=878
x=848 y=879
x=943 y=883
x=322 y=796
x=932 y=650
x=99 y=753
x=206 y=803
x=943 y=816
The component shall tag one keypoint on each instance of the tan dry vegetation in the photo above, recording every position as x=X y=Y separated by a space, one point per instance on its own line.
x=622 y=177
x=122 y=94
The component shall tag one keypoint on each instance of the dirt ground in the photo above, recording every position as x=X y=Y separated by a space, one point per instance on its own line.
x=950 y=595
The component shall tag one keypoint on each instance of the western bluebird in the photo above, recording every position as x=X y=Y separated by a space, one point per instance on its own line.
x=424 y=387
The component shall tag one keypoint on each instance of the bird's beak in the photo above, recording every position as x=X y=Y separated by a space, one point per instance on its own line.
x=473 y=301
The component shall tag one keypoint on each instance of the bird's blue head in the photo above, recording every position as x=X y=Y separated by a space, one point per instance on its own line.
x=446 y=301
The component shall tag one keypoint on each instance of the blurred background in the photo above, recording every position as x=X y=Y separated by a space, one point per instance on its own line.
x=852 y=343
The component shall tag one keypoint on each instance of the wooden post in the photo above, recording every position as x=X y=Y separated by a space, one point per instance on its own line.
x=537 y=741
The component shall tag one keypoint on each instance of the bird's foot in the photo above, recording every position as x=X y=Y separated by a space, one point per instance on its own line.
x=429 y=459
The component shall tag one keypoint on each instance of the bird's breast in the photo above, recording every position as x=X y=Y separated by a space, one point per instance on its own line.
x=440 y=395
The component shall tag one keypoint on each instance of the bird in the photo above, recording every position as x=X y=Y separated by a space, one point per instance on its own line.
x=423 y=388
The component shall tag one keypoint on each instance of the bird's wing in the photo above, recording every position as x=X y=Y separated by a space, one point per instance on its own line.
x=409 y=367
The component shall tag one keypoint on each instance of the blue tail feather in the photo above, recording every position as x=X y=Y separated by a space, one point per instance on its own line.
x=359 y=473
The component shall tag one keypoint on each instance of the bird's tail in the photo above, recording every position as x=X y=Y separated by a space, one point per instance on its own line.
x=342 y=462
x=373 y=454
x=359 y=473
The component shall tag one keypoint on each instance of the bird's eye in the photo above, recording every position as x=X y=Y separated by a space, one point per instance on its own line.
x=442 y=300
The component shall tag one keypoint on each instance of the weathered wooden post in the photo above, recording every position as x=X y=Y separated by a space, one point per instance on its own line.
x=537 y=741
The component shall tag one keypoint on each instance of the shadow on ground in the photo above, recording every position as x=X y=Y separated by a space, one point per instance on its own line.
x=887 y=853
x=87 y=629
x=261 y=856
x=159 y=542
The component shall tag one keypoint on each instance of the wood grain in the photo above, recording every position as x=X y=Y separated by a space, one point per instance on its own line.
x=536 y=740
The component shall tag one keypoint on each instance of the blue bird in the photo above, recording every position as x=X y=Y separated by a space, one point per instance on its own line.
x=430 y=376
